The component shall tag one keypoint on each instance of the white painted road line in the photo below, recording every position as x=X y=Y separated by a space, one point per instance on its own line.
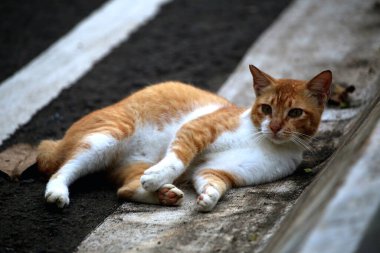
x=62 y=64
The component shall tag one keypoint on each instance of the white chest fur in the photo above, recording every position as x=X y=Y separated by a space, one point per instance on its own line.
x=250 y=156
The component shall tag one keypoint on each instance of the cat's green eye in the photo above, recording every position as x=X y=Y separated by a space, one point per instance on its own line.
x=266 y=109
x=295 y=112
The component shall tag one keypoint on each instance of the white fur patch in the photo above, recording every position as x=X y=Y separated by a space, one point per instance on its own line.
x=102 y=149
x=201 y=111
x=246 y=113
x=143 y=196
x=243 y=137
x=265 y=125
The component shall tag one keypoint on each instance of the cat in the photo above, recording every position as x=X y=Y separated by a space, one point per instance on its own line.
x=173 y=130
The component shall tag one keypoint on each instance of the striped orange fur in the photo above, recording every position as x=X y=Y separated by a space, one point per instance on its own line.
x=221 y=180
x=195 y=137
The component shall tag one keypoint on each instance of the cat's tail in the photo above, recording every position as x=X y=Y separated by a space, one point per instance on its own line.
x=48 y=159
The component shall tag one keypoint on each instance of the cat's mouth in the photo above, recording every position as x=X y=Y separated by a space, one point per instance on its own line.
x=278 y=138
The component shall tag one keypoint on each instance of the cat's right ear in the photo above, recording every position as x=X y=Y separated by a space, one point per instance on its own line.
x=261 y=80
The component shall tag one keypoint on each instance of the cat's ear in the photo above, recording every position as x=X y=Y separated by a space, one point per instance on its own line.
x=261 y=80
x=320 y=86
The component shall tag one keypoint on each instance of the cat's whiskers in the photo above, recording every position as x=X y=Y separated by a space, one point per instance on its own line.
x=297 y=140
x=308 y=137
x=257 y=136
x=267 y=133
x=260 y=138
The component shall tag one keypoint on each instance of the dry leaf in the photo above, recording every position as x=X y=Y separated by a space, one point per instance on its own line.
x=16 y=159
x=308 y=170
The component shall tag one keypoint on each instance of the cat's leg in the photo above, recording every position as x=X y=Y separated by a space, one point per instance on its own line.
x=164 y=172
x=211 y=185
x=91 y=154
x=131 y=188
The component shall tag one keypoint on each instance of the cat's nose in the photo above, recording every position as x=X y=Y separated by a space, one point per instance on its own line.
x=275 y=127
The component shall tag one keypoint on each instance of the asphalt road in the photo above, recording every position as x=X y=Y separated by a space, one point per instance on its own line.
x=191 y=41
x=27 y=28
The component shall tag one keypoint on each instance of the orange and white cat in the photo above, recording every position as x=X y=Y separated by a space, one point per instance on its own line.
x=151 y=138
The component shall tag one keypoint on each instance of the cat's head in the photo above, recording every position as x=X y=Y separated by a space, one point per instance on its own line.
x=288 y=110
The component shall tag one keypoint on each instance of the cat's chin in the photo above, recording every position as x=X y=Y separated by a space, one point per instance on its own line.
x=278 y=140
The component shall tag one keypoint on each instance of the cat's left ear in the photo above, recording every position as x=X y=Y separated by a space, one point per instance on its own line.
x=320 y=86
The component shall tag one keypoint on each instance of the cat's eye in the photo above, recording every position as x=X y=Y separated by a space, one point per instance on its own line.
x=295 y=113
x=266 y=109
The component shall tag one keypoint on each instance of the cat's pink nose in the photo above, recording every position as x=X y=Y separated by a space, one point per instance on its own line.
x=275 y=127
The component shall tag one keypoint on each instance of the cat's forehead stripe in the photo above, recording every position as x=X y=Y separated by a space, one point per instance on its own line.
x=284 y=96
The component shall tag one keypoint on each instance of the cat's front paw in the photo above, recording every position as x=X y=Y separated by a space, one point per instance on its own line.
x=155 y=177
x=170 y=195
x=57 y=193
x=164 y=172
x=152 y=182
x=207 y=199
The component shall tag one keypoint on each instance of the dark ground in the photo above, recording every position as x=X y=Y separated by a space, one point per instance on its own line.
x=191 y=41
x=27 y=28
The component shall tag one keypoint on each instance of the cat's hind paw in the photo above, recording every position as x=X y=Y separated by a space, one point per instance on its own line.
x=170 y=195
x=58 y=194
x=207 y=199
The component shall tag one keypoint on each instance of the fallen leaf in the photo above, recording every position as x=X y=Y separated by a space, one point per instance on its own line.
x=253 y=237
x=308 y=170
x=16 y=159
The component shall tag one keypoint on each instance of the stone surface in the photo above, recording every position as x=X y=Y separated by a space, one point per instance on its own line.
x=239 y=223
